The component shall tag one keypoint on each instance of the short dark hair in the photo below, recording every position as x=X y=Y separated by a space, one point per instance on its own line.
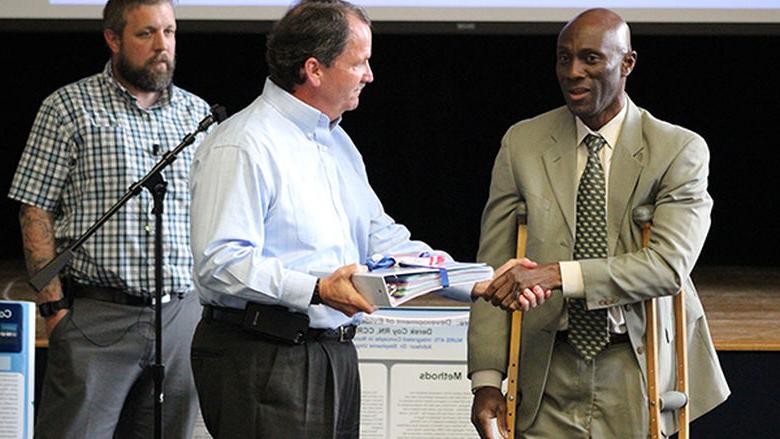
x=311 y=28
x=115 y=12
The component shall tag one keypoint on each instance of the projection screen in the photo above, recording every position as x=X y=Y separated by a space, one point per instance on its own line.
x=714 y=16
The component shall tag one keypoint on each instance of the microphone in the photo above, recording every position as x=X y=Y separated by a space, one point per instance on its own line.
x=218 y=114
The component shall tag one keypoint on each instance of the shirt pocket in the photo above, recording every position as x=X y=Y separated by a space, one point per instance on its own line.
x=99 y=161
x=102 y=118
x=313 y=212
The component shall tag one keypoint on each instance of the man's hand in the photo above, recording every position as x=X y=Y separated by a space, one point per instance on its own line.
x=54 y=320
x=524 y=286
x=337 y=291
x=480 y=288
x=489 y=403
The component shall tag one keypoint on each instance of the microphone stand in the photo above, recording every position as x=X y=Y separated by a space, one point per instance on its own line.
x=156 y=184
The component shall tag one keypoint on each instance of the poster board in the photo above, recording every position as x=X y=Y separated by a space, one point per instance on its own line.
x=413 y=374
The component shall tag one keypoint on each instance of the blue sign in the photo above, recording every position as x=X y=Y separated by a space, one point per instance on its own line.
x=17 y=369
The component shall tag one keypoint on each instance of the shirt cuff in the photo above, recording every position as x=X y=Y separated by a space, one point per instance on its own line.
x=461 y=293
x=486 y=378
x=573 y=284
x=298 y=289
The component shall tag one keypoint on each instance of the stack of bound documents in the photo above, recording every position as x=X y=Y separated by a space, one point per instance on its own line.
x=398 y=284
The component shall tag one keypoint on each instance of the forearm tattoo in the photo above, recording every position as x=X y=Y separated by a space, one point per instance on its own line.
x=38 y=239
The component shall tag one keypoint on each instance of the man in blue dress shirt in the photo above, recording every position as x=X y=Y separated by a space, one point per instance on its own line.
x=280 y=190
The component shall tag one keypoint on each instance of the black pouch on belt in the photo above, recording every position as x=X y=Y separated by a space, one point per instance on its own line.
x=276 y=322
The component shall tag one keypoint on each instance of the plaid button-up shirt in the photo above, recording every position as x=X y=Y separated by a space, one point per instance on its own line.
x=90 y=141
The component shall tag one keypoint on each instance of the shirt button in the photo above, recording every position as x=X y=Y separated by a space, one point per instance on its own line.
x=148 y=228
x=627 y=308
x=640 y=350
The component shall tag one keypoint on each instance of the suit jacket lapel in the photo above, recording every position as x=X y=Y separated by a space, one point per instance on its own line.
x=624 y=173
x=560 y=162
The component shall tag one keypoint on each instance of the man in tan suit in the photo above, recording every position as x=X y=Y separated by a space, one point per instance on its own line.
x=570 y=388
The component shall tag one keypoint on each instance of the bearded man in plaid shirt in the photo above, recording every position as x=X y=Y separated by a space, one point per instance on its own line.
x=90 y=141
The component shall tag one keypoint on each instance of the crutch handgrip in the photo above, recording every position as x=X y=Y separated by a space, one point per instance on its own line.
x=673 y=400
x=521 y=213
x=643 y=214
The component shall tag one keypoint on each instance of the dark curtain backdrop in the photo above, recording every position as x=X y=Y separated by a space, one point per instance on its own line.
x=430 y=125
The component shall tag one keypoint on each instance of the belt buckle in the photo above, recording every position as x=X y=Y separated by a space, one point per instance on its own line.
x=342 y=334
x=165 y=299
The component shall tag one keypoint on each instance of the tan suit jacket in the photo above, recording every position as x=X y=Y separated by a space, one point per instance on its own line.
x=653 y=162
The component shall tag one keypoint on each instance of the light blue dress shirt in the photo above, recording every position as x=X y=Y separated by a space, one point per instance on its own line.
x=278 y=191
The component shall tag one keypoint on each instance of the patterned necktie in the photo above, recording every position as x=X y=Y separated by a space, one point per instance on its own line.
x=588 y=331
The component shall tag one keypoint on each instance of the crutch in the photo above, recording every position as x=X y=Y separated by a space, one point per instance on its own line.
x=516 y=330
x=674 y=399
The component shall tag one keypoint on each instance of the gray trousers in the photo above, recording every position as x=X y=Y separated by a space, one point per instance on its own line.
x=96 y=385
x=252 y=388
x=602 y=399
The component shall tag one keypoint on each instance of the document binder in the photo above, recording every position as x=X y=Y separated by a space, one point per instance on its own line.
x=396 y=285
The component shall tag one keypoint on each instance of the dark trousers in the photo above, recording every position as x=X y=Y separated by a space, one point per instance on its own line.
x=97 y=385
x=251 y=387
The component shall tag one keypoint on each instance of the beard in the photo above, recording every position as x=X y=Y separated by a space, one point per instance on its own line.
x=146 y=78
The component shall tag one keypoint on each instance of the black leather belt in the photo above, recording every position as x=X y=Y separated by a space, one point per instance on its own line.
x=235 y=317
x=614 y=338
x=108 y=294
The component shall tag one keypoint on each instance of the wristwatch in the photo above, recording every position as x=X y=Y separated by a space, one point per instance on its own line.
x=315 y=297
x=48 y=309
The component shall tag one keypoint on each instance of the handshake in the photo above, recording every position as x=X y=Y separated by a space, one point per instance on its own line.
x=520 y=284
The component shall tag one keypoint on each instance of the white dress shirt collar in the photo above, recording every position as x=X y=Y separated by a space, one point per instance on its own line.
x=610 y=131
